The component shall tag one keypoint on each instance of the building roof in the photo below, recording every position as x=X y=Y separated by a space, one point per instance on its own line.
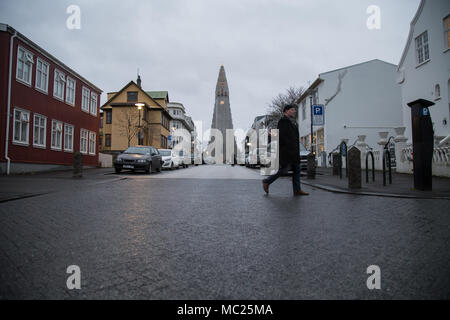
x=319 y=80
x=11 y=30
x=411 y=33
x=126 y=86
x=158 y=94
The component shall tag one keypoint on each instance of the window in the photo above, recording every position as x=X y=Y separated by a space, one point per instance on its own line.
x=84 y=141
x=447 y=31
x=92 y=142
x=21 y=126
x=304 y=110
x=422 y=50
x=132 y=96
x=70 y=91
x=57 y=127
x=108 y=116
x=24 y=65
x=437 y=91
x=163 y=142
x=58 y=86
x=100 y=141
x=68 y=137
x=42 y=69
x=93 y=103
x=85 y=99
x=107 y=140
x=39 y=130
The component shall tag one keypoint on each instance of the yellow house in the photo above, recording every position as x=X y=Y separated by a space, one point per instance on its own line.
x=133 y=117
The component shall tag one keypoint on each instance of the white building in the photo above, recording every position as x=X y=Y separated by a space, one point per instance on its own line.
x=424 y=69
x=180 y=120
x=359 y=100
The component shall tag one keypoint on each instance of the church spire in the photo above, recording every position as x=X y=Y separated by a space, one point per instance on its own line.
x=222 y=84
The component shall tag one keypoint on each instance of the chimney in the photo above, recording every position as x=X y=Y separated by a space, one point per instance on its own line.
x=139 y=81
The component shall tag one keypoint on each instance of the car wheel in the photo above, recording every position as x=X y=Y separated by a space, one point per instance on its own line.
x=158 y=169
x=149 y=169
x=171 y=166
x=118 y=170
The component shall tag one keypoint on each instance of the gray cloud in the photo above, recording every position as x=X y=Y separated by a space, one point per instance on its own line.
x=178 y=45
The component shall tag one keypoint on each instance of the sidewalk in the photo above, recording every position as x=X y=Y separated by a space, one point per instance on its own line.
x=402 y=185
x=16 y=187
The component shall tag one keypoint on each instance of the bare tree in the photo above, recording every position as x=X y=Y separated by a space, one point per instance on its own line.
x=275 y=108
x=128 y=124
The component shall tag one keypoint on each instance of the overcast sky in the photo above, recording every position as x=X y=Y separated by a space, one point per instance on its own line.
x=178 y=45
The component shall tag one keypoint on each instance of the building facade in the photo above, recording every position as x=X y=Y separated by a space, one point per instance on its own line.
x=180 y=121
x=132 y=117
x=48 y=111
x=424 y=68
x=359 y=100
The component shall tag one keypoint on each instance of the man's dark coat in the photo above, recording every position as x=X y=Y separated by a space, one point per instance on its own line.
x=289 y=142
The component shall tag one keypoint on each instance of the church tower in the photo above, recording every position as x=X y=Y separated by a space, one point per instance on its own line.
x=222 y=119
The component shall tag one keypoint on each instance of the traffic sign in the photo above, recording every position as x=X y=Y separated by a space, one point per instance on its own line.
x=318 y=115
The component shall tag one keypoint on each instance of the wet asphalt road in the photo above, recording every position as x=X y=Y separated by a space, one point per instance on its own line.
x=210 y=232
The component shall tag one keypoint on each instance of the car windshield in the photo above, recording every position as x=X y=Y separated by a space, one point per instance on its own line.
x=302 y=147
x=165 y=153
x=137 y=150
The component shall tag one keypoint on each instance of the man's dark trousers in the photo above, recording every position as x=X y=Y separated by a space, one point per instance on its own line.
x=284 y=170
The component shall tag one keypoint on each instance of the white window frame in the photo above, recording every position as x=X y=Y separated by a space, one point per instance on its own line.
x=82 y=132
x=446 y=32
x=59 y=79
x=420 y=48
x=37 y=123
x=40 y=75
x=24 y=142
x=66 y=144
x=27 y=59
x=92 y=143
x=94 y=103
x=53 y=146
x=69 y=89
x=85 y=99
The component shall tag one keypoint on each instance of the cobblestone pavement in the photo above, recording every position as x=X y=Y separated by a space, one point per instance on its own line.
x=146 y=237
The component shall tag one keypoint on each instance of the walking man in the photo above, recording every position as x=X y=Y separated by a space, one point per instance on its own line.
x=289 y=151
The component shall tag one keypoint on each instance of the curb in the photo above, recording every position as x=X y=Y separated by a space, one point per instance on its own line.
x=373 y=194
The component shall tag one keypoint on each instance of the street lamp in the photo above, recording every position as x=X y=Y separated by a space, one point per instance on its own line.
x=139 y=106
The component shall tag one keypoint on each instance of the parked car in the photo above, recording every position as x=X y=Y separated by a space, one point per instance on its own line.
x=170 y=159
x=184 y=159
x=144 y=158
x=303 y=156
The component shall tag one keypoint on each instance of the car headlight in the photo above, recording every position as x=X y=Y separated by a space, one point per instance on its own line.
x=119 y=160
x=142 y=161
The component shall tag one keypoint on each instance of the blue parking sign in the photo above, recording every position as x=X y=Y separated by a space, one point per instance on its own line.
x=318 y=115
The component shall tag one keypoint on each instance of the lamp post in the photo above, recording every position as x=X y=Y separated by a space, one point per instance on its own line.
x=139 y=106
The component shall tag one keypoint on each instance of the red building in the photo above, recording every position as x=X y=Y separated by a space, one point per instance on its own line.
x=47 y=110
